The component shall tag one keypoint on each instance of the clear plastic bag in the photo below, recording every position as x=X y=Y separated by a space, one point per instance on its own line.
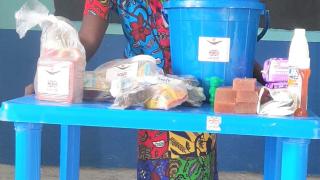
x=138 y=66
x=167 y=96
x=62 y=60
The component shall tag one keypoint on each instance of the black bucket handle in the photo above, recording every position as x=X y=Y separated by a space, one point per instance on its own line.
x=266 y=25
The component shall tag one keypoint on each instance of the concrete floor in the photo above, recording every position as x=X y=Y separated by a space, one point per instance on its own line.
x=52 y=173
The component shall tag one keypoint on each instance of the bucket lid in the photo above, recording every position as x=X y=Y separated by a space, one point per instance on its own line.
x=245 y=4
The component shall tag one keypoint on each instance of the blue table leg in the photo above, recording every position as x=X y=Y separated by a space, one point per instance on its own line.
x=28 y=151
x=294 y=159
x=69 y=152
x=272 y=158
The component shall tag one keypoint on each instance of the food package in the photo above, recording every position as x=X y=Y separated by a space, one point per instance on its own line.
x=138 y=66
x=166 y=96
x=111 y=79
x=134 y=97
x=62 y=60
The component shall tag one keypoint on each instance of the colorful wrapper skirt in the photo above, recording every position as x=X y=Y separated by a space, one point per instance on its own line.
x=164 y=155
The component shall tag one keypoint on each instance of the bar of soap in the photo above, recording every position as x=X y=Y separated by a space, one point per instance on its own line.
x=225 y=100
x=247 y=96
x=246 y=108
x=244 y=84
x=224 y=107
x=225 y=94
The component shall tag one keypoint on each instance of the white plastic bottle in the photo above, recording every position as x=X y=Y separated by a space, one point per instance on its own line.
x=299 y=71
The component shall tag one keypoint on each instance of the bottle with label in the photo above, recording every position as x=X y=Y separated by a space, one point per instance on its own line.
x=299 y=72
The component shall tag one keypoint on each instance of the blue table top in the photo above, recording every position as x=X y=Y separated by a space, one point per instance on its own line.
x=203 y=119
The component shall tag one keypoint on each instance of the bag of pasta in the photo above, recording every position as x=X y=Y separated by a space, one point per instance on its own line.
x=62 y=60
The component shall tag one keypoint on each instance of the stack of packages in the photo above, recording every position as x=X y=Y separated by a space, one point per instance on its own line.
x=138 y=81
x=241 y=98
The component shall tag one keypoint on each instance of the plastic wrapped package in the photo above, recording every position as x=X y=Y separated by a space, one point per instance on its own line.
x=95 y=87
x=166 y=96
x=138 y=66
x=187 y=79
x=133 y=97
x=59 y=77
x=195 y=96
x=62 y=61
x=112 y=78
x=95 y=81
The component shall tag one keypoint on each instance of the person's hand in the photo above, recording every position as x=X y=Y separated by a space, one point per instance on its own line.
x=28 y=90
x=257 y=73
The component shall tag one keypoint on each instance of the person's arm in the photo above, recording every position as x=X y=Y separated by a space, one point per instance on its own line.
x=94 y=25
x=91 y=33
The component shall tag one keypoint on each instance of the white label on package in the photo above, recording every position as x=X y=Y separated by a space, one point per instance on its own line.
x=214 y=49
x=122 y=71
x=213 y=123
x=54 y=78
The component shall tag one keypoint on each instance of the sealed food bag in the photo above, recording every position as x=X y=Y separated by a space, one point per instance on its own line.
x=134 y=97
x=166 y=96
x=95 y=87
x=138 y=67
x=167 y=92
x=62 y=60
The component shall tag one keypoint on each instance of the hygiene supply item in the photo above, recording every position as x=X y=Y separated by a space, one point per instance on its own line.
x=213 y=38
x=275 y=70
x=244 y=84
x=225 y=100
x=275 y=102
x=62 y=61
x=241 y=98
x=299 y=71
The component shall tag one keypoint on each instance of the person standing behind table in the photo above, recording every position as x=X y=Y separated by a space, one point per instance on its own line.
x=161 y=154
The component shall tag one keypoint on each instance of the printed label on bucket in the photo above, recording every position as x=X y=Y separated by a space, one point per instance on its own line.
x=214 y=49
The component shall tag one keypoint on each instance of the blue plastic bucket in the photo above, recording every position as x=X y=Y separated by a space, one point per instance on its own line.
x=213 y=37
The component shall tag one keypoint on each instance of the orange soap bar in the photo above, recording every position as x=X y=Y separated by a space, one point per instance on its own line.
x=244 y=84
x=246 y=108
x=225 y=94
x=247 y=96
x=225 y=100
x=224 y=107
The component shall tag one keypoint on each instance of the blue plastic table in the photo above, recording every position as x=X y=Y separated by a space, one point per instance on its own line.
x=286 y=145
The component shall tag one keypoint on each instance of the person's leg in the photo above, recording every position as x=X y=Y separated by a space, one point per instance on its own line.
x=153 y=162
x=171 y=155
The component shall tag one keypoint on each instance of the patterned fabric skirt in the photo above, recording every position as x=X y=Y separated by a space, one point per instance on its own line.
x=168 y=155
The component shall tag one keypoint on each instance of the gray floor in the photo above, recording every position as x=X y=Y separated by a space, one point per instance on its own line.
x=52 y=173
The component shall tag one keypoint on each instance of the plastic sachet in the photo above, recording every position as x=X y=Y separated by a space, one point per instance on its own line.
x=62 y=60
x=275 y=102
